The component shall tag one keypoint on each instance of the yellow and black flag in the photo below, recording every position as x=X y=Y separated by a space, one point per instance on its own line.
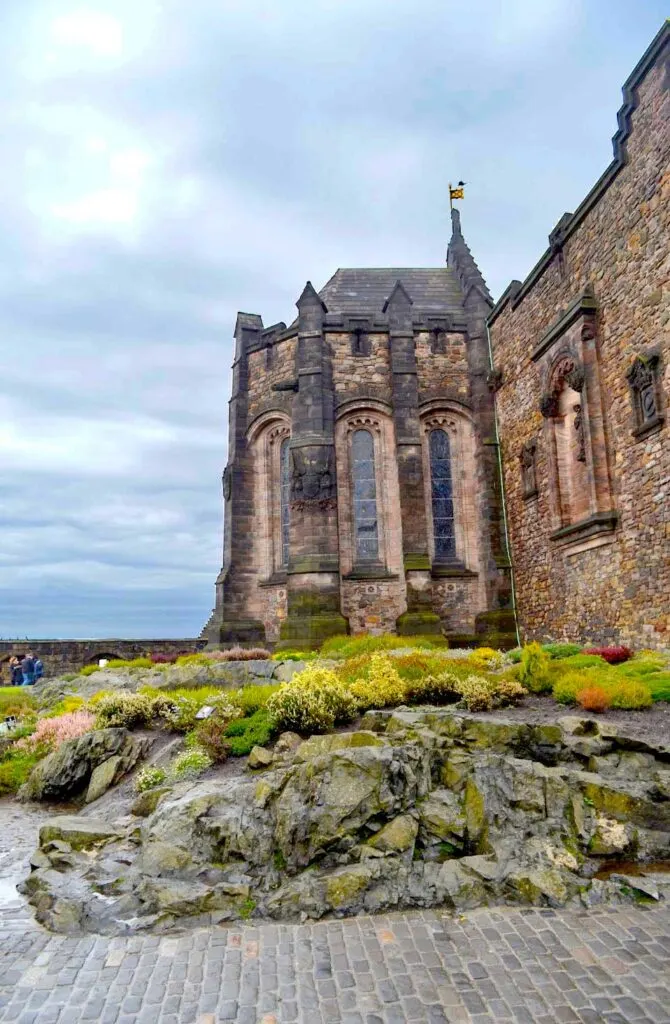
x=458 y=192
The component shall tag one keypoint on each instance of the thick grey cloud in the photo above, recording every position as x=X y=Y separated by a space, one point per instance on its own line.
x=166 y=164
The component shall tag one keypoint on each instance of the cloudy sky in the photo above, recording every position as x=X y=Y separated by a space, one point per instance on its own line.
x=164 y=164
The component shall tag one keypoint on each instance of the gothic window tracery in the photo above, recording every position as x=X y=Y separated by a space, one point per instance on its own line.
x=366 y=536
x=442 y=496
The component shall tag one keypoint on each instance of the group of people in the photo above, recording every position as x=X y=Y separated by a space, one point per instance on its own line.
x=25 y=670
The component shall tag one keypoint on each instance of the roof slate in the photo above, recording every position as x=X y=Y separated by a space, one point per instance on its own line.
x=365 y=290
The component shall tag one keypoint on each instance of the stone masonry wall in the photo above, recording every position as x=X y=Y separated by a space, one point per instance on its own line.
x=61 y=656
x=263 y=374
x=354 y=374
x=442 y=371
x=617 y=591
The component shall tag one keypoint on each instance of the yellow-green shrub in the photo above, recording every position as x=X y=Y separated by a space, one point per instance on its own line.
x=534 y=672
x=366 y=643
x=433 y=689
x=476 y=693
x=382 y=687
x=629 y=694
x=179 y=713
x=486 y=658
x=568 y=685
x=313 y=701
x=127 y=710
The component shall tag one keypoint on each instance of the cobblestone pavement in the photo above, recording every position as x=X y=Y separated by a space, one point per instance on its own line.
x=531 y=966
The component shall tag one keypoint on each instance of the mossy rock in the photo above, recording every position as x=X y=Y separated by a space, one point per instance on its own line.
x=396 y=836
x=344 y=887
x=419 y=623
x=80 y=833
x=317 y=745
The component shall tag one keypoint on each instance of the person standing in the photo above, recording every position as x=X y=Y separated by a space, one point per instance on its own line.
x=39 y=668
x=16 y=675
x=28 y=669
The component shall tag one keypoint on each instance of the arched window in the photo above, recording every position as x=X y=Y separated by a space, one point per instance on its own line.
x=284 y=488
x=365 y=496
x=442 y=496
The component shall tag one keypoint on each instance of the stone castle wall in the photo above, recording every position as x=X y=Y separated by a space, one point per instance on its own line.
x=600 y=299
x=61 y=656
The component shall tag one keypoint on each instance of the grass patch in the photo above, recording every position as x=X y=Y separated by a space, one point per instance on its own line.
x=16 y=700
x=16 y=765
x=251 y=699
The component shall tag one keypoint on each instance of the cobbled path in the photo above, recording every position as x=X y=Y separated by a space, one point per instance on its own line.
x=529 y=966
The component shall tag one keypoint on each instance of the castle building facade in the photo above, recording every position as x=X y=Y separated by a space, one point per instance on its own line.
x=362 y=486
x=581 y=351
x=369 y=441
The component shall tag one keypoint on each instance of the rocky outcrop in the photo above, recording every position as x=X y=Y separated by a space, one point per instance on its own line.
x=421 y=808
x=92 y=762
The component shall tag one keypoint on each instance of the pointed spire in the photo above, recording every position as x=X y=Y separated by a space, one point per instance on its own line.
x=310 y=297
x=461 y=260
x=399 y=296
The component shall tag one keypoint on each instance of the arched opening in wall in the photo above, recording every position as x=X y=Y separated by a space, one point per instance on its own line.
x=93 y=659
x=269 y=443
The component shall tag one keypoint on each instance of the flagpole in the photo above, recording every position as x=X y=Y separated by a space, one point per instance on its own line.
x=451 y=201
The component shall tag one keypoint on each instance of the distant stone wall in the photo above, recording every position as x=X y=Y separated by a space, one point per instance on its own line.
x=586 y=449
x=71 y=655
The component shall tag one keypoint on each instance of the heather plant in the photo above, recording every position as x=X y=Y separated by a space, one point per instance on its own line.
x=49 y=733
x=475 y=692
x=381 y=687
x=313 y=701
x=630 y=694
x=561 y=650
x=366 y=643
x=118 y=709
x=180 y=714
x=594 y=698
x=612 y=655
x=240 y=654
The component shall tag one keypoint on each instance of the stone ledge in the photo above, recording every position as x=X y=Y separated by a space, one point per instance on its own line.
x=598 y=527
x=650 y=427
x=370 y=572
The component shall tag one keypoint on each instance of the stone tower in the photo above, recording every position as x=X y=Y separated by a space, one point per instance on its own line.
x=362 y=491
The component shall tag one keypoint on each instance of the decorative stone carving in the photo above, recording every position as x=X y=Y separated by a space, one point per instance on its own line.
x=643 y=378
x=312 y=476
x=579 y=427
x=227 y=482
x=528 y=472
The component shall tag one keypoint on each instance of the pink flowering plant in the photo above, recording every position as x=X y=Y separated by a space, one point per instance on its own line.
x=51 y=732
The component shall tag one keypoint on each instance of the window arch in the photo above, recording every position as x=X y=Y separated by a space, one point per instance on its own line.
x=284 y=499
x=366 y=535
x=442 y=495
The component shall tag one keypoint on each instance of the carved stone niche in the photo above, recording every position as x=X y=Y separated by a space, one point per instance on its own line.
x=227 y=481
x=644 y=380
x=313 y=481
x=528 y=469
x=566 y=370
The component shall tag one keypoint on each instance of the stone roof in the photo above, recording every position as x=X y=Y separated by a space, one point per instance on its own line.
x=365 y=290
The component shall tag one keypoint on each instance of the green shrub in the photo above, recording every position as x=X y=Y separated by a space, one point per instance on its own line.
x=250 y=699
x=193 y=659
x=534 y=669
x=73 y=702
x=189 y=764
x=381 y=687
x=430 y=689
x=559 y=651
x=245 y=733
x=313 y=701
x=149 y=777
x=294 y=655
x=88 y=670
x=515 y=655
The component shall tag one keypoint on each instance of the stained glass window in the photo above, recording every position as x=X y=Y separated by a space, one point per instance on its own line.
x=284 y=491
x=442 y=496
x=365 y=496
